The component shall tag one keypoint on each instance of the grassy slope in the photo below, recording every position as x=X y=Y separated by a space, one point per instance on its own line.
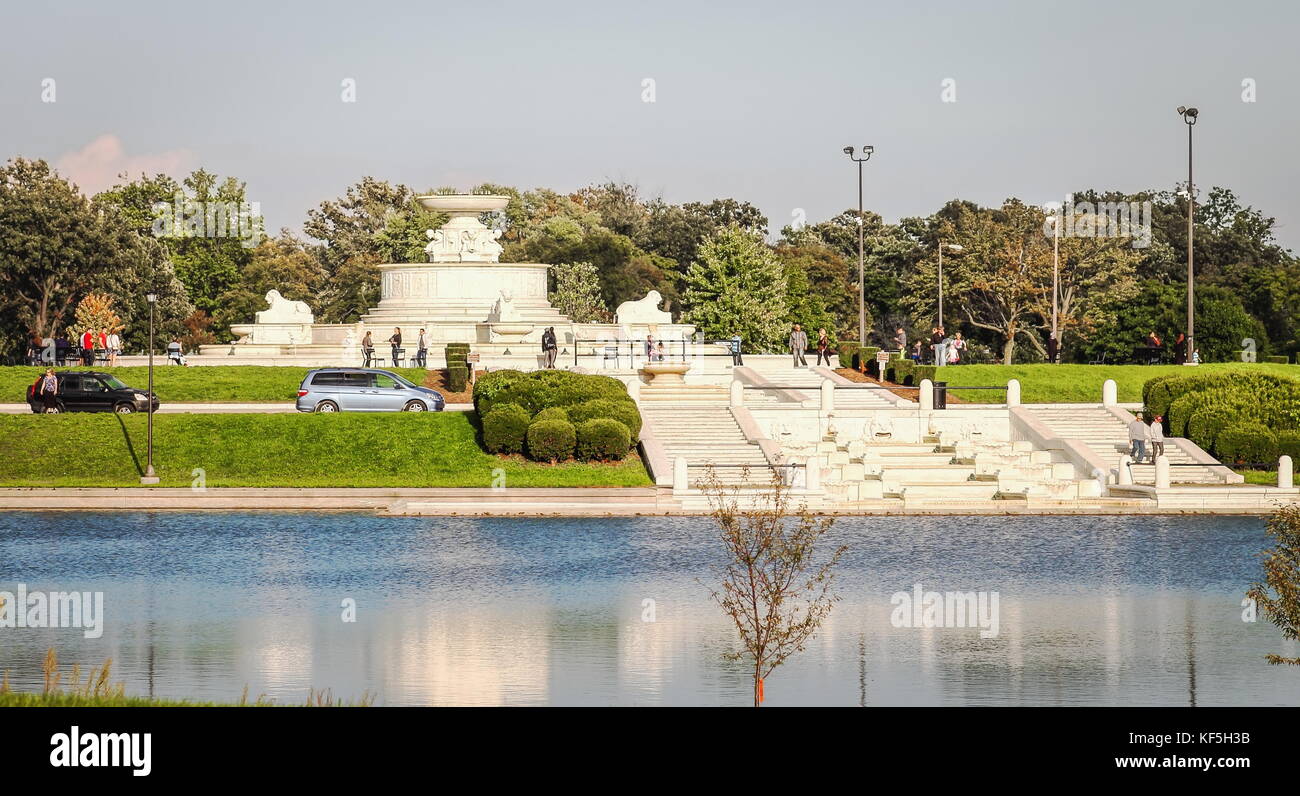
x=175 y=384
x=1266 y=477
x=1078 y=383
x=294 y=450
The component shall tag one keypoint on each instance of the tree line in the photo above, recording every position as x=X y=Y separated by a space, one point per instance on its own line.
x=717 y=265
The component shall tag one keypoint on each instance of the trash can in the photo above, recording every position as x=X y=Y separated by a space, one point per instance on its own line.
x=941 y=395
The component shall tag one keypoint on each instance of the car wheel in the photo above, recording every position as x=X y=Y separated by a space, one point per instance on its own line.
x=124 y=409
x=327 y=406
x=413 y=406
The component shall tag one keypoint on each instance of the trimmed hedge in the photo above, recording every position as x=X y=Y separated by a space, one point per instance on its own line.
x=1246 y=443
x=551 y=440
x=850 y=351
x=505 y=429
x=624 y=412
x=869 y=358
x=457 y=377
x=1288 y=444
x=551 y=396
x=921 y=372
x=602 y=439
x=1277 y=360
x=1203 y=406
x=552 y=413
x=539 y=389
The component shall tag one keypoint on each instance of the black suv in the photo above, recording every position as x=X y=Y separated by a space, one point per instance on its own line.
x=90 y=391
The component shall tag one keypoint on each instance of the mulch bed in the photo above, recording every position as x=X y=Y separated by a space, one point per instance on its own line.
x=437 y=379
x=910 y=393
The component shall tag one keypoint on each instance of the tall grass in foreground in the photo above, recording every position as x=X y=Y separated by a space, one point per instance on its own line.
x=97 y=690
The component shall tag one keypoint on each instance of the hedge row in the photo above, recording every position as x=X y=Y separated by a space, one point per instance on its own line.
x=555 y=415
x=1240 y=417
x=540 y=389
x=1254 y=443
x=457 y=366
x=909 y=373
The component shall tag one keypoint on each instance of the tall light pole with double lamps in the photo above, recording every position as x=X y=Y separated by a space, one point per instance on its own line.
x=952 y=247
x=1189 y=116
x=150 y=477
x=1054 y=218
x=862 y=286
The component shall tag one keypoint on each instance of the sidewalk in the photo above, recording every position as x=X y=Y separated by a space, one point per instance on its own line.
x=215 y=409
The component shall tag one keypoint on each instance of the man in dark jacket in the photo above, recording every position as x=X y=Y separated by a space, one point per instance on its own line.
x=549 y=346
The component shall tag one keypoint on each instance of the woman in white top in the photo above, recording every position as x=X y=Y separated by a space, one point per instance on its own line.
x=114 y=348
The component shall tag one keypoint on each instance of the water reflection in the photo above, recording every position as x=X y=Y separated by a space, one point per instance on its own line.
x=454 y=611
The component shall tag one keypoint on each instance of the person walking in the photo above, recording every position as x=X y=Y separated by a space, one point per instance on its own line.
x=1053 y=347
x=114 y=348
x=367 y=350
x=421 y=351
x=823 y=347
x=900 y=340
x=88 y=348
x=48 y=391
x=798 y=345
x=396 y=342
x=736 y=360
x=1157 y=432
x=955 y=350
x=550 y=347
x=1138 y=434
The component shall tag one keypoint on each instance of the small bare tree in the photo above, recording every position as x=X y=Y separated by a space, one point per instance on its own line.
x=773 y=588
x=1282 y=577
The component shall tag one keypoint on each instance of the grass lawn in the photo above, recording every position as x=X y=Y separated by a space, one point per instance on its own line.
x=427 y=449
x=1265 y=477
x=1078 y=383
x=207 y=384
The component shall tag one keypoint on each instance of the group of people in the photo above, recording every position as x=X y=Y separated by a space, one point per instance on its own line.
x=88 y=346
x=654 y=351
x=1140 y=433
x=1156 y=347
x=395 y=341
x=947 y=350
x=798 y=343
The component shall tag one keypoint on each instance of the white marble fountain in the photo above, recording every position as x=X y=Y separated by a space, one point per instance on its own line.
x=462 y=294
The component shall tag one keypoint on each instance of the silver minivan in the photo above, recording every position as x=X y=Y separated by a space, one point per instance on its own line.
x=364 y=390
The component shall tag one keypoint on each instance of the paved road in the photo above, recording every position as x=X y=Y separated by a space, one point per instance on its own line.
x=215 y=409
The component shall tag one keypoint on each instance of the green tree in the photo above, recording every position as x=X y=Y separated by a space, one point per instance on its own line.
x=1279 y=592
x=737 y=286
x=577 y=292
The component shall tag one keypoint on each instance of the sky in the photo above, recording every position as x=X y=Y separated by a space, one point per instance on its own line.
x=754 y=101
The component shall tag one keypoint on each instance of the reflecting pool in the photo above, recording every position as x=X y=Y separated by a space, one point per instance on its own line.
x=616 y=611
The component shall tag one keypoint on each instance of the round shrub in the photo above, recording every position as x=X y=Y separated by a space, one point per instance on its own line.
x=543 y=388
x=602 y=439
x=1249 y=443
x=552 y=413
x=505 y=429
x=551 y=440
x=624 y=412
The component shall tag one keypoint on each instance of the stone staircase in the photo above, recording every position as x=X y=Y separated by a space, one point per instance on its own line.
x=948 y=474
x=808 y=381
x=1107 y=436
x=706 y=435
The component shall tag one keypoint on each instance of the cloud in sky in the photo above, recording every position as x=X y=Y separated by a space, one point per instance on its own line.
x=96 y=166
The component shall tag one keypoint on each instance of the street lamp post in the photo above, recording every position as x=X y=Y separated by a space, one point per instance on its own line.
x=953 y=247
x=1189 y=116
x=150 y=477
x=862 y=288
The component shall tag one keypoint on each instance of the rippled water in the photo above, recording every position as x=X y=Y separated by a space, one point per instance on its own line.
x=460 y=611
